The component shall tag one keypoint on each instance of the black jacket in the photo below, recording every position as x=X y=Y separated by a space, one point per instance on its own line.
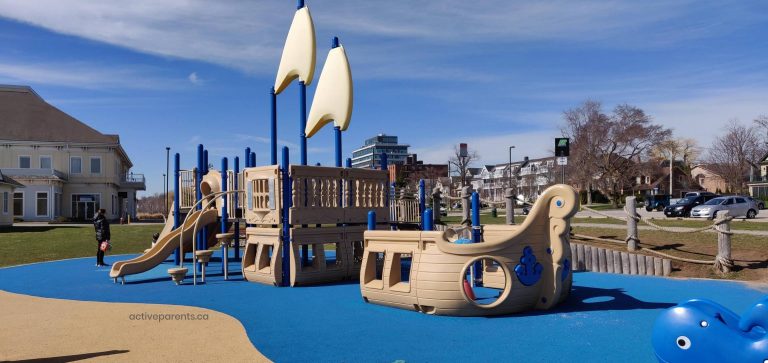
x=101 y=225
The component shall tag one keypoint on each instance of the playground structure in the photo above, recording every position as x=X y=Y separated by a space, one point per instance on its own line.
x=307 y=224
x=526 y=266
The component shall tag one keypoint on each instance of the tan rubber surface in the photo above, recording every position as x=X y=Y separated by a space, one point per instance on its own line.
x=68 y=330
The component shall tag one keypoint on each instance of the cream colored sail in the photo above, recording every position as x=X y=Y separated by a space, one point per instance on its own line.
x=298 y=59
x=333 y=96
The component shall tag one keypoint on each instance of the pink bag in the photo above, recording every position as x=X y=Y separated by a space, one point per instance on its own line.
x=105 y=246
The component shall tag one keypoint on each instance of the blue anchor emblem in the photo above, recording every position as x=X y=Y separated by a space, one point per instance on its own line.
x=528 y=271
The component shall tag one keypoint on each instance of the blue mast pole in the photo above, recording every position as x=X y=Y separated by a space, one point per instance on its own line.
x=236 y=201
x=253 y=159
x=224 y=213
x=286 y=262
x=273 y=126
x=385 y=167
x=303 y=120
x=176 y=212
x=337 y=132
x=299 y=4
x=247 y=157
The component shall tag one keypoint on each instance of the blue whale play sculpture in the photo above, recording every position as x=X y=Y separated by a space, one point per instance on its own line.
x=705 y=331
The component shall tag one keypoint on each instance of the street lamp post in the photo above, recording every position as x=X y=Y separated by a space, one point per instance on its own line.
x=166 y=175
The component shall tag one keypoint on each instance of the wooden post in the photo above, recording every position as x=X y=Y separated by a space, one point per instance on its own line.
x=617 y=262
x=436 y=198
x=601 y=260
x=657 y=268
x=609 y=261
x=465 y=205
x=582 y=256
x=666 y=265
x=625 y=263
x=592 y=261
x=574 y=257
x=640 y=264
x=632 y=237
x=632 y=264
x=509 y=194
x=723 y=261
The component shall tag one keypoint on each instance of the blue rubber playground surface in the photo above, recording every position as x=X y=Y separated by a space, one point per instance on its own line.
x=607 y=317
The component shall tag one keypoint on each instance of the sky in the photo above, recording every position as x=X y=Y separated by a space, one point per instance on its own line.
x=493 y=74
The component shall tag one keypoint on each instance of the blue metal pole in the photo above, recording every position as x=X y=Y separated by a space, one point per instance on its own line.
x=422 y=201
x=476 y=237
x=253 y=159
x=428 y=220
x=349 y=163
x=337 y=132
x=224 y=212
x=286 y=262
x=176 y=211
x=247 y=157
x=237 y=220
x=205 y=162
x=273 y=125
x=303 y=121
x=371 y=220
x=334 y=42
x=300 y=4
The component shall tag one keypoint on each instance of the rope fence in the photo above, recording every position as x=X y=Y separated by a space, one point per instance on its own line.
x=722 y=262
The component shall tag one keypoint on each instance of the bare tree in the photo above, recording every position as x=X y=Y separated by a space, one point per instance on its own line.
x=608 y=148
x=581 y=125
x=734 y=154
x=462 y=163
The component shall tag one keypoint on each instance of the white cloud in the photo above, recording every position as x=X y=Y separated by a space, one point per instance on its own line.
x=84 y=75
x=194 y=79
x=248 y=35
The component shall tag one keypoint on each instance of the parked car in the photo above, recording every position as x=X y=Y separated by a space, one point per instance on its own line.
x=759 y=203
x=682 y=208
x=696 y=194
x=657 y=202
x=736 y=206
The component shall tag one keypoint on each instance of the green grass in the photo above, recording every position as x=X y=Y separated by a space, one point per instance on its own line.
x=607 y=206
x=21 y=245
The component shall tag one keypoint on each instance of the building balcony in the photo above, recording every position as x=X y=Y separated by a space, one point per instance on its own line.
x=133 y=181
x=30 y=173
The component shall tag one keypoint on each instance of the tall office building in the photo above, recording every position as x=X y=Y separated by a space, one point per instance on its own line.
x=369 y=155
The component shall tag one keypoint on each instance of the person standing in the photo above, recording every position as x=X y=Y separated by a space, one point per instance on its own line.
x=101 y=225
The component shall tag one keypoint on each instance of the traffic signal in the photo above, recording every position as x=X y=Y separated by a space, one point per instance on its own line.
x=562 y=146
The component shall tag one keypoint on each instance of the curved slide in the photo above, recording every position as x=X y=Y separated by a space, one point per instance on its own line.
x=167 y=243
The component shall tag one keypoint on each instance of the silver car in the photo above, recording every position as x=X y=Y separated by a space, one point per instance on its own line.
x=735 y=205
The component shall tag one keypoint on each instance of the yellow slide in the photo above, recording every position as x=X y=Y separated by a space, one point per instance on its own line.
x=166 y=244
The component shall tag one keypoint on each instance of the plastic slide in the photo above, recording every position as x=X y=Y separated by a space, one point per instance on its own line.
x=166 y=244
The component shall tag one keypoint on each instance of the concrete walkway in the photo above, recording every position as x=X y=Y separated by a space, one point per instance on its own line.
x=677 y=229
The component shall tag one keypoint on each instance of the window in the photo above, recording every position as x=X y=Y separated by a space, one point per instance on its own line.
x=740 y=200
x=18 y=204
x=45 y=162
x=42 y=204
x=5 y=202
x=96 y=165
x=25 y=162
x=75 y=165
